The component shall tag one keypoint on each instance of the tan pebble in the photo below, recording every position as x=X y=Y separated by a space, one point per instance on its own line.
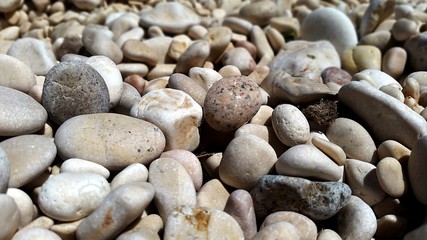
x=394 y=61
x=290 y=125
x=390 y=226
x=241 y=58
x=334 y=151
x=279 y=230
x=403 y=29
x=24 y=204
x=376 y=13
x=139 y=51
x=133 y=34
x=380 y=39
x=306 y=228
x=205 y=77
x=391 y=177
x=211 y=165
x=152 y=221
x=218 y=38
x=179 y=44
x=31 y=233
x=394 y=149
x=197 y=32
x=135 y=172
x=212 y=195
x=137 y=82
x=248 y=46
x=81 y=165
x=10 y=219
x=238 y=25
x=181 y=82
x=411 y=88
x=127 y=69
x=263 y=116
x=259 y=13
x=155 y=31
x=285 y=24
x=42 y=222
x=129 y=97
x=139 y=233
x=229 y=70
x=393 y=91
x=194 y=56
x=259 y=39
x=66 y=230
x=275 y=38
x=361 y=57
x=328 y=234
x=413 y=104
x=259 y=74
x=161 y=70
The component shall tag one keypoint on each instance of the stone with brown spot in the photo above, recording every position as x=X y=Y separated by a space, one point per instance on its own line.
x=231 y=102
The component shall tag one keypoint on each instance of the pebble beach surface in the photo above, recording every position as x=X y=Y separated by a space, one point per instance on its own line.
x=240 y=119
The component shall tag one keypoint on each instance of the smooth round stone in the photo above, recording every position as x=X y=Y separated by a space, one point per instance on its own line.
x=363 y=181
x=391 y=177
x=361 y=57
x=160 y=45
x=194 y=56
x=72 y=196
x=322 y=200
x=376 y=78
x=335 y=75
x=173 y=185
x=21 y=114
x=299 y=55
x=130 y=96
x=139 y=233
x=10 y=5
x=77 y=165
x=259 y=13
x=127 y=69
x=394 y=61
x=36 y=233
x=139 y=51
x=403 y=29
x=212 y=195
x=118 y=209
x=42 y=221
x=16 y=74
x=4 y=171
x=306 y=228
x=245 y=160
x=382 y=112
x=290 y=125
x=175 y=113
x=190 y=162
x=415 y=53
x=171 y=17
x=353 y=139
x=205 y=77
x=241 y=58
x=332 y=25
x=181 y=82
x=186 y=222
x=111 y=75
x=393 y=91
x=328 y=234
x=152 y=221
x=307 y=161
x=381 y=39
x=219 y=39
x=394 y=149
x=35 y=53
x=10 y=219
x=390 y=226
x=416 y=169
x=97 y=40
x=74 y=88
x=231 y=102
x=335 y=152
x=29 y=156
x=275 y=37
x=135 y=172
x=279 y=230
x=240 y=206
x=356 y=220
x=24 y=203
x=86 y=4
x=122 y=141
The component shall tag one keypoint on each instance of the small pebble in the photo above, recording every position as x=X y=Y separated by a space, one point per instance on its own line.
x=212 y=195
x=307 y=229
x=391 y=177
x=77 y=165
x=279 y=230
x=25 y=205
x=10 y=218
x=290 y=125
x=35 y=233
x=16 y=74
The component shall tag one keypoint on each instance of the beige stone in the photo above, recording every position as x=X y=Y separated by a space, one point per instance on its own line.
x=279 y=230
x=394 y=61
x=212 y=195
x=306 y=228
x=361 y=57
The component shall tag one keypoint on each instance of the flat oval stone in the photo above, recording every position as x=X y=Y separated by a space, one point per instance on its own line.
x=392 y=177
x=245 y=160
x=212 y=195
x=376 y=12
x=181 y=82
x=194 y=56
x=316 y=200
x=279 y=230
x=74 y=88
x=175 y=113
x=24 y=203
x=35 y=233
x=173 y=185
x=72 y=196
x=135 y=172
x=231 y=102
x=416 y=169
x=109 y=139
x=361 y=57
x=4 y=171
x=10 y=219
x=77 y=165
x=202 y=223
x=394 y=149
x=97 y=40
x=118 y=209
x=353 y=139
x=29 y=156
x=290 y=125
x=241 y=207
x=241 y=58
x=356 y=220
x=16 y=74
x=259 y=13
x=21 y=114
x=376 y=78
x=307 y=229
x=382 y=112
x=305 y=160
x=171 y=17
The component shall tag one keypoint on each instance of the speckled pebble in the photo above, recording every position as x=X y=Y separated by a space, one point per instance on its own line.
x=290 y=125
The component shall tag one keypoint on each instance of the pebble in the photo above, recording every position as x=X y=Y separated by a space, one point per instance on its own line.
x=29 y=156
x=394 y=61
x=307 y=229
x=179 y=44
x=362 y=177
x=118 y=209
x=135 y=172
x=394 y=149
x=181 y=82
x=219 y=38
x=275 y=38
x=335 y=152
x=66 y=230
x=335 y=75
x=10 y=5
x=4 y=171
x=175 y=113
x=111 y=75
x=259 y=13
x=83 y=194
x=279 y=230
x=328 y=234
x=24 y=203
x=356 y=220
x=376 y=12
x=42 y=221
x=201 y=223
x=361 y=57
x=240 y=206
x=74 y=88
x=10 y=218
x=231 y=102
x=307 y=161
x=269 y=191
x=123 y=140
x=130 y=97
x=415 y=53
x=171 y=17
x=139 y=51
x=390 y=113
x=139 y=233
x=21 y=114
x=204 y=77
x=391 y=226
x=212 y=195
x=238 y=25
x=380 y=39
x=332 y=25
x=376 y=78
x=245 y=160
x=299 y=55
x=190 y=162
x=194 y=56
x=290 y=125
x=391 y=177
x=172 y=184
x=35 y=233
x=77 y=165
x=127 y=69
x=353 y=138
x=403 y=29
x=87 y=4
x=16 y=74
x=241 y=58
x=417 y=168
x=98 y=40
x=260 y=41
x=29 y=49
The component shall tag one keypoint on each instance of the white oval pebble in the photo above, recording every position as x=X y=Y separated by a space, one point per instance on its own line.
x=15 y=74
x=80 y=165
x=10 y=218
x=135 y=172
x=35 y=233
x=290 y=125
x=24 y=203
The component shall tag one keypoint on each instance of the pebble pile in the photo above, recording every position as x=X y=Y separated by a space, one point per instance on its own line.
x=240 y=119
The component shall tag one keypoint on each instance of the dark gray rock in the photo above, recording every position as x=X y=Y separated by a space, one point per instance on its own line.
x=316 y=200
x=74 y=88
